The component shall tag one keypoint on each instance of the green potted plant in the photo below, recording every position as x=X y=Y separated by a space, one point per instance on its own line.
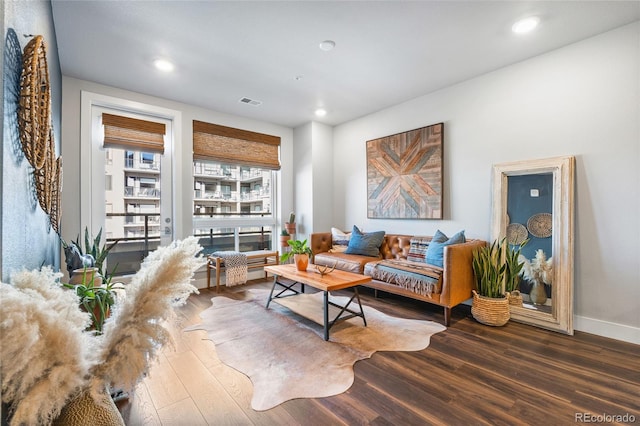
x=284 y=237
x=291 y=224
x=96 y=296
x=512 y=272
x=490 y=303
x=301 y=253
x=94 y=255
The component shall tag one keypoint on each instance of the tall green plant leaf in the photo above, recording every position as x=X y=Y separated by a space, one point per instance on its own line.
x=489 y=269
x=513 y=266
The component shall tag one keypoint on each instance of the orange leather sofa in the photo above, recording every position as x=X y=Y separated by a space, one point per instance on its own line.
x=448 y=286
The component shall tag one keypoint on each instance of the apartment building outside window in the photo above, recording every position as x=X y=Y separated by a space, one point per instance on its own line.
x=133 y=198
x=233 y=180
x=137 y=185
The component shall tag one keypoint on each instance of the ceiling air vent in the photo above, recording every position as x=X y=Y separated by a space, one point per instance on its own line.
x=249 y=101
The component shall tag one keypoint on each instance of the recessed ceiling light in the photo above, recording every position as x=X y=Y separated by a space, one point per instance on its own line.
x=163 y=65
x=525 y=25
x=321 y=112
x=327 y=45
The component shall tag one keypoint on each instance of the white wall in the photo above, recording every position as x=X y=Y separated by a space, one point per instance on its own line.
x=581 y=100
x=303 y=179
x=313 y=186
x=72 y=139
x=322 y=187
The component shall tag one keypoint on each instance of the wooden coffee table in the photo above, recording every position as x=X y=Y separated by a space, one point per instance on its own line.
x=336 y=280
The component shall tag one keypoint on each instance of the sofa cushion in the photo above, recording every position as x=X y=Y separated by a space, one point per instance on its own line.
x=365 y=243
x=435 y=252
x=339 y=240
x=345 y=262
x=418 y=249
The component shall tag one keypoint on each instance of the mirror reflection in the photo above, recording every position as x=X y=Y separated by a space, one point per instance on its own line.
x=533 y=210
x=529 y=209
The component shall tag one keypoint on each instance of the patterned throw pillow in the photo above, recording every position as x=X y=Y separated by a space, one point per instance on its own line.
x=339 y=240
x=435 y=252
x=418 y=249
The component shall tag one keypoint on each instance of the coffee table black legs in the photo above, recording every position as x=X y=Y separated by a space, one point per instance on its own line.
x=341 y=315
x=326 y=315
x=286 y=286
x=344 y=314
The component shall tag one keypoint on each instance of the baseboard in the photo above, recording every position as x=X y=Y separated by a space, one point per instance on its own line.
x=626 y=333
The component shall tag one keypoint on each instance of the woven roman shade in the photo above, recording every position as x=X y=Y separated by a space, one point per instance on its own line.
x=234 y=146
x=132 y=133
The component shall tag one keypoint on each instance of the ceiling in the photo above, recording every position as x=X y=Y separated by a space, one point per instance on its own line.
x=386 y=52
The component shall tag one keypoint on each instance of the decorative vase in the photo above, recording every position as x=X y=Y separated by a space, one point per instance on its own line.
x=85 y=410
x=301 y=261
x=538 y=294
x=489 y=310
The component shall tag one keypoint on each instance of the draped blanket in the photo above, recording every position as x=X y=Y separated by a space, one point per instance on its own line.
x=235 y=265
x=417 y=277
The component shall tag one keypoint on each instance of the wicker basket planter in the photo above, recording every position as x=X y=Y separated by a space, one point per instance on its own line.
x=490 y=311
x=515 y=298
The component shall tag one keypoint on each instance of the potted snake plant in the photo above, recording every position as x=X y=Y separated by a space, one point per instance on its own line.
x=490 y=302
x=513 y=270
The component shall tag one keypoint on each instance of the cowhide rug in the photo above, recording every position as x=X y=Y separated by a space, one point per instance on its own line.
x=285 y=355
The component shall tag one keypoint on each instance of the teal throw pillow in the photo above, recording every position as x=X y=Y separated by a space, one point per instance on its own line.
x=365 y=243
x=435 y=252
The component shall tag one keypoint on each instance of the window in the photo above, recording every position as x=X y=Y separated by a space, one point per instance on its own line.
x=233 y=172
x=147 y=158
x=133 y=151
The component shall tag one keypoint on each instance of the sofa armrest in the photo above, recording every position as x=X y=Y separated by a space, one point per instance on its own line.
x=320 y=242
x=457 y=279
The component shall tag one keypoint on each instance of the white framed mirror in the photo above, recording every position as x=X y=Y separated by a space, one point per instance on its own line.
x=534 y=200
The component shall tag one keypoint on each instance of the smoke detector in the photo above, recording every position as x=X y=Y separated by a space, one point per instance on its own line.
x=250 y=101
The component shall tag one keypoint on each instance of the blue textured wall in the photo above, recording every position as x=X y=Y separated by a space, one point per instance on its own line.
x=27 y=238
x=521 y=206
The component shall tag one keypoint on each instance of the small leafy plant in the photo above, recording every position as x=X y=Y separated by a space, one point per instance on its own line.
x=297 y=247
x=95 y=299
x=284 y=233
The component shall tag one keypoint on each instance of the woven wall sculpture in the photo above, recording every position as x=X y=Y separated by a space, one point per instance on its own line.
x=404 y=175
x=36 y=130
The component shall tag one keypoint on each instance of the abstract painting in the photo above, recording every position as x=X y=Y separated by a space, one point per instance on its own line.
x=404 y=175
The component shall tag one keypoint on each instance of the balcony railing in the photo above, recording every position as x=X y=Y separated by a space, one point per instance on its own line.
x=206 y=170
x=216 y=195
x=132 y=163
x=251 y=174
x=130 y=191
x=131 y=250
x=254 y=195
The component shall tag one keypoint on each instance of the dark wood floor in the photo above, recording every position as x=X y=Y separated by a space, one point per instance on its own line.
x=470 y=374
